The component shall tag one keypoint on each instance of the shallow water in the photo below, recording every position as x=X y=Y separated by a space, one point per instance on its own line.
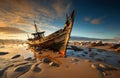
x=109 y=58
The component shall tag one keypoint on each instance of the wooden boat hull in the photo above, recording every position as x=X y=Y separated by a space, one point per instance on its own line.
x=56 y=41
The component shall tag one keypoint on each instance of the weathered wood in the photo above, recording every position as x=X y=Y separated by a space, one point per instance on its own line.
x=56 y=41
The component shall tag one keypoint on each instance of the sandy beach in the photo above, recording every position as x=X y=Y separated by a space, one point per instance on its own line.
x=59 y=38
x=20 y=63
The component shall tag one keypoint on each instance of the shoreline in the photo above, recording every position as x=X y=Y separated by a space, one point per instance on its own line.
x=78 y=64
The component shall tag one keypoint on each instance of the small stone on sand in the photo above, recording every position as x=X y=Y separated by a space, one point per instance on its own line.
x=102 y=66
x=94 y=66
x=54 y=64
x=87 y=61
x=46 y=60
x=74 y=59
x=106 y=74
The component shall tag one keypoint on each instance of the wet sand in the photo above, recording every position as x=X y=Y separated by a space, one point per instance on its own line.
x=77 y=64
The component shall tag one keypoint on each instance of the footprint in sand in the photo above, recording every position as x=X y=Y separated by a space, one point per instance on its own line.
x=3 y=53
x=22 y=68
x=2 y=71
x=35 y=68
x=16 y=56
x=18 y=71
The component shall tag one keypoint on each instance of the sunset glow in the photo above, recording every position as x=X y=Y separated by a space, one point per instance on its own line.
x=94 y=19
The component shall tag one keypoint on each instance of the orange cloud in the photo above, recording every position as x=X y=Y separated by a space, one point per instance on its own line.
x=17 y=16
x=21 y=20
x=11 y=30
x=3 y=24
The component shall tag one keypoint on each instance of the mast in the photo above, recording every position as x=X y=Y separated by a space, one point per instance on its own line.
x=36 y=35
x=35 y=27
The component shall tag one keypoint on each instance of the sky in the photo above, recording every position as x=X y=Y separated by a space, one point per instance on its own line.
x=93 y=19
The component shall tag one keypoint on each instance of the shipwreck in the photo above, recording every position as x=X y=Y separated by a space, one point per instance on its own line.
x=56 y=41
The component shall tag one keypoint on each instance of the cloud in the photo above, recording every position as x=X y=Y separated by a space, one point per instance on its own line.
x=11 y=36
x=17 y=16
x=43 y=25
x=21 y=20
x=87 y=19
x=3 y=24
x=11 y=30
x=61 y=7
x=94 y=20
x=99 y=32
x=24 y=11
